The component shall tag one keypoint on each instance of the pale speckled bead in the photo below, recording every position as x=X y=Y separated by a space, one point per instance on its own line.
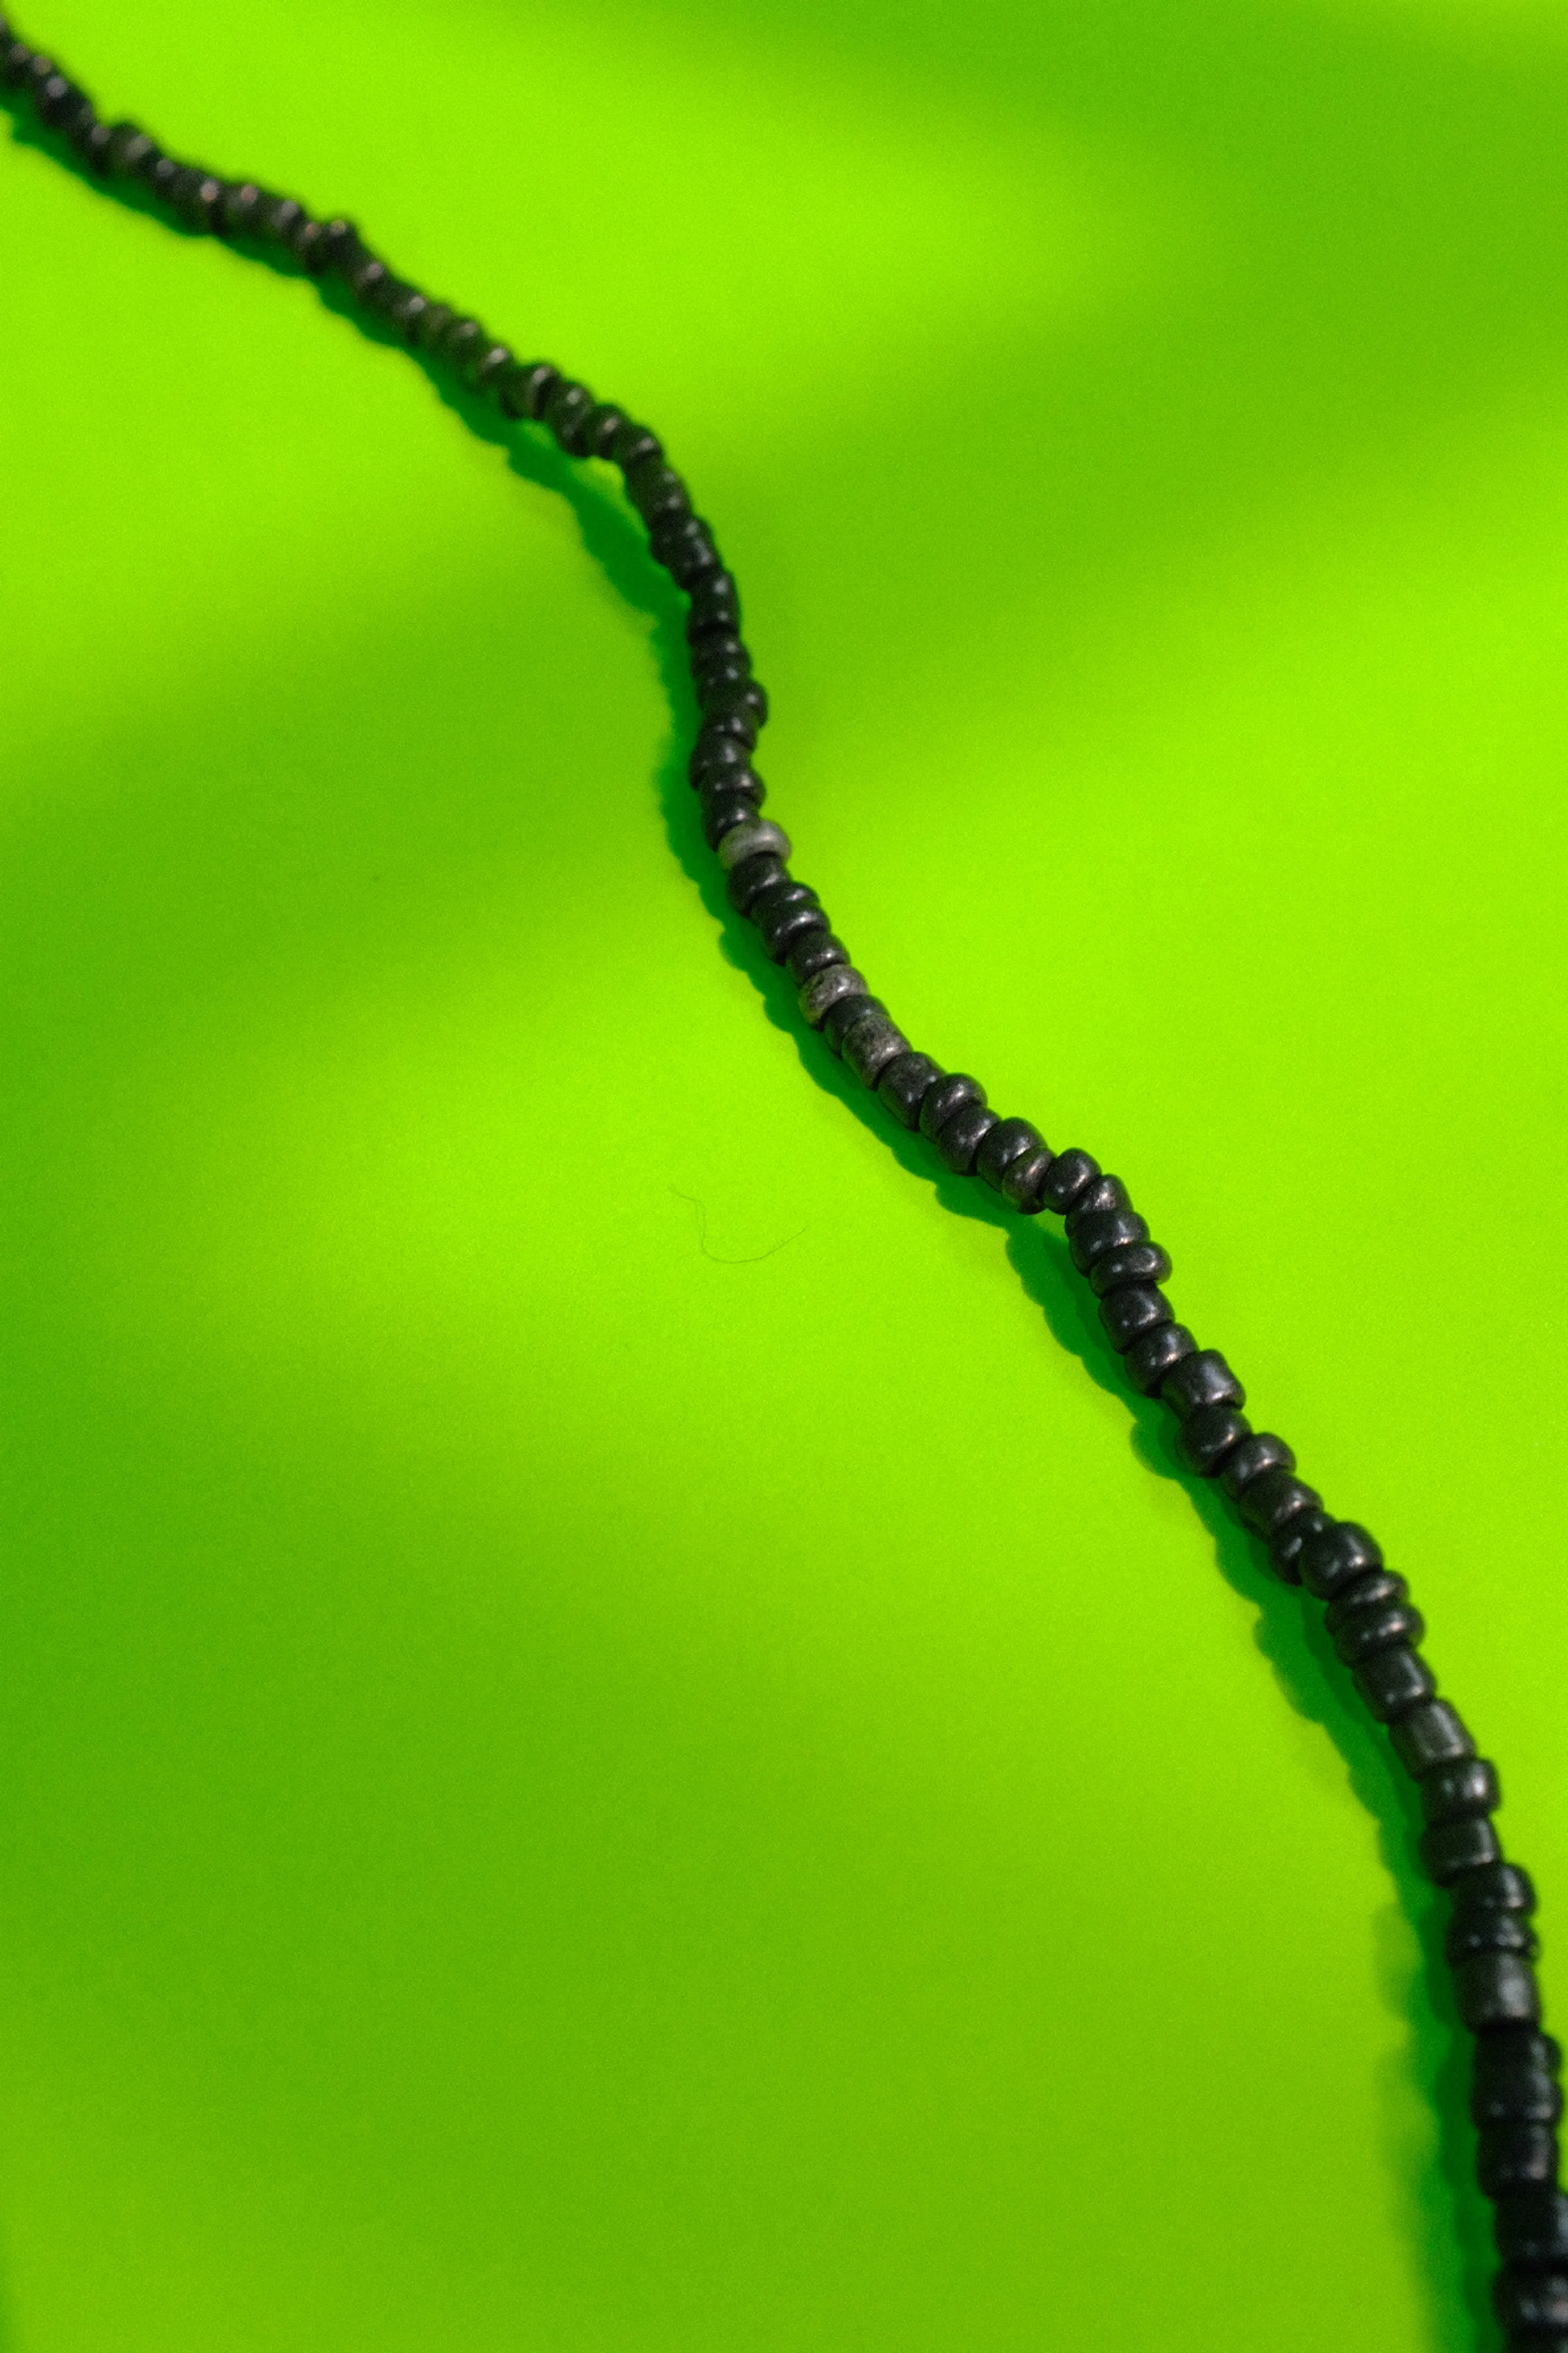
x=753 y=840
x=826 y=990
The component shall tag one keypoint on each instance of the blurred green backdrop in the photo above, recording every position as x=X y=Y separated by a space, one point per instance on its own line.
x=608 y=1745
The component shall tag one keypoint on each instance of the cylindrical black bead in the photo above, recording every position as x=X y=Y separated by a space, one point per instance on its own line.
x=743 y=695
x=657 y=491
x=956 y=1089
x=1285 y=1548
x=1429 y=1737
x=1097 y=1233
x=1470 y=1932
x=1391 y=1681
x=1515 y=2095
x=1516 y=2156
x=1202 y=1380
x=1072 y=1174
x=600 y=431
x=524 y=387
x=729 y=783
x=686 y=548
x=1454 y=1792
x=1150 y=1359
x=633 y=445
x=485 y=372
x=959 y=1138
x=715 y=749
x=1135 y=1262
x=566 y=413
x=1209 y=1435
x=1497 y=1990
x=841 y=1018
x=91 y=141
x=1025 y=1180
x=751 y=875
x=1533 y=2227
x=813 y=954
x=1377 y=1628
x=1504 y=1888
x=1009 y=1140
x=1371 y=1591
x=1128 y=1314
x=871 y=1045
x=1101 y=1194
x=1263 y=1452
x=715 y=606
x=1532 y=2301
x=1449 y=1850
x=904 y=1085
x=1268 y=1502
x=1341 y=1552
x=780 y=927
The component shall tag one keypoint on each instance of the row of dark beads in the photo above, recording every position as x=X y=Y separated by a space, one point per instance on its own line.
x=1517 y=2098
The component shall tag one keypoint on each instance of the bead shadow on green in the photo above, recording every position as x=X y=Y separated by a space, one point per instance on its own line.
x=1300 y=1653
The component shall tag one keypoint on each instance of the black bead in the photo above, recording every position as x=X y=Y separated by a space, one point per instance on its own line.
x=814 y=953
x=1515 y=2095
x=1157 y=1354
x=1504 y=1888
x=1391 y=1681
x=1102 y=1193
x=842 y=1017
x=739 y=727
x=462 y=342
x=1270 y=1501
x=1367 y=1592
x=1377 y=1628
x=751 y=876
x=782 y=926
x=1095 y=1233
x=1023 y=1183
x=405 y=310
x=959 y=1139
x=956 y=1090
x=734 y=781
x=904 y=1085
x=744 y=694
x=633 y=445
x=1532 y=2301
x=1285 y=1550
x=714 y=751
x=1009 y=1140
x=715 y=606
x=657 y=491
x=1471 y=1932
x=1072 y=1174
x=1252 y=1458
x=1210 y=1434
x=525 y=386
x=1333 y=1558
x=91 y=140
x=487 y=371
x=1454 y=1792
x=1429 y=1737
x=1520 y=2046
x=722 y=812
x=1497 y=1990
x=1533 y=2227
x=1201 y=1380
x=126 y=144
x=600 y=431
x=684 y=545
x=566 y=410
x=1449 y=1850
x=871 y=1045
x=15 y=60
x=1128 y=1314
x=1516 y=2156
x=1137 y=1262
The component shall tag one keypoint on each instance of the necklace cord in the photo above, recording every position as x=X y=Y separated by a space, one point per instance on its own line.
x=1516 y=2099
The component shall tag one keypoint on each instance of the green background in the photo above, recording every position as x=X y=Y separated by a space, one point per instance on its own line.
x=614 y=1737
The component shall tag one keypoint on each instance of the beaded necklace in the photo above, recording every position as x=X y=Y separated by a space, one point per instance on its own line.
x=1516 y=2097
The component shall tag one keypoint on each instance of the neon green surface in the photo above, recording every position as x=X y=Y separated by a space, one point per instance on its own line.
x=615 y=1739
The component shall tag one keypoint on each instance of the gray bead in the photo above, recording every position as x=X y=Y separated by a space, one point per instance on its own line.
x=903 y=1086
x=870 y=1045
x=763 y=836
x=826 y=990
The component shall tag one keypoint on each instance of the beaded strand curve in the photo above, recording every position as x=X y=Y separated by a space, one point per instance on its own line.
x=1516 y=2099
